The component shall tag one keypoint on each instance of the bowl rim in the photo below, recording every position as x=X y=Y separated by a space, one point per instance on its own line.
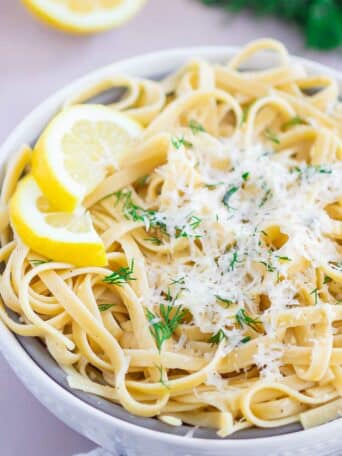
x=13 y=351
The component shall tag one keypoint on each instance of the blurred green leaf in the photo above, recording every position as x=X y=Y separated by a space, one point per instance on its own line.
x=321 y=20
x=324 y=25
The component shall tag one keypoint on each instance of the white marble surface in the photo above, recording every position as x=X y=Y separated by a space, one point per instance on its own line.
x=34 y=62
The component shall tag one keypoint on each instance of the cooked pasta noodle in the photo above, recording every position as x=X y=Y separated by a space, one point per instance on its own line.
x=221 y=302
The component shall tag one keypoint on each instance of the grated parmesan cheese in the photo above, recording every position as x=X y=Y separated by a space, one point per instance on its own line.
x=229 y=258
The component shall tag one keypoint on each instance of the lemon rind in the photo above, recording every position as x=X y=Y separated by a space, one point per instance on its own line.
x=55 y=16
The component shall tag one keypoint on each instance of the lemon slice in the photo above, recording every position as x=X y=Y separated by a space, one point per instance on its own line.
x=78 y=149
x=84 y=16
x=65 y=237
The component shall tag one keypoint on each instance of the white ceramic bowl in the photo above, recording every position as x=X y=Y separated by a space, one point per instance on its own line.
x=108 y=425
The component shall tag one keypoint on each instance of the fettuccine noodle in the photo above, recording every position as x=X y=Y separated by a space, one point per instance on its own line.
x=226 y=222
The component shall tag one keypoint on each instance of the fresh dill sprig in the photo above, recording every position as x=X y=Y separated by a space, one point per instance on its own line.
x=214 y=185
x=311 y=170
x=132 y=211
x=104 y=307
x=217 y=338
x=326 y=280
x=162 y=377
x=245 y=339
x=272 y=136
x=168 y=296
x=226 y=302
x=245 y=176
x=154 y=240
x=296 y=120
x=337 y=266
x=243 y=319
x=315 y=293
x=36 y=262
x=233 y=262
x=151 y=218
x=180 y=281
x=196 y=127
x=322 y=170
x=163 y=327
x=267 y=195
x=179 y=142
x=227 y=196
x=143 y=180
x=245 y=112
x=283 y=258
x=122 y=276
x=268 y=265
x=195 y=222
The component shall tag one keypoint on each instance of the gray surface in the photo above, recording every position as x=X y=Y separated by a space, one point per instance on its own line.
x=35 y=61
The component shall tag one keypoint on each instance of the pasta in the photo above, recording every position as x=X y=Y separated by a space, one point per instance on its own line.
x=221 y=303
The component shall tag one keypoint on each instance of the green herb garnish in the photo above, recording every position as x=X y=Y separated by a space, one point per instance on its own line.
x=143 y=180
x=233 y=262
x=245 y=112
x=326 y=280
x=179 y=142
x=163 y=327
x=154 y=240
x=227 y=302
x=245 y=340
x=122 y=276
x=218 y=337
x=310 y=170
x=226 y=197
x=243 y=319
x=322 y=170
x=296 y=120
x=196 y=127
x=267 y=195
x=104 y=307
x=214 y=185
x=195 y=222
x=283 y=258
x=337 y=266
x=245 y=176
x=269 y=266
x=272 y=136
x=180 y=281
x=315 y=293
x=132 y=211
x=162 y=377
x=35 y=262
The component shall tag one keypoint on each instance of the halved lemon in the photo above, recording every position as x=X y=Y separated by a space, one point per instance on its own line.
x=84 y=16
x=78 y=149
x=59 y=236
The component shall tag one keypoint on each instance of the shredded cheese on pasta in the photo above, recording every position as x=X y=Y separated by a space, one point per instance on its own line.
x=225 y=225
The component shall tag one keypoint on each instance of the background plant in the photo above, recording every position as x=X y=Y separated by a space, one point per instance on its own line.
x=321 y=20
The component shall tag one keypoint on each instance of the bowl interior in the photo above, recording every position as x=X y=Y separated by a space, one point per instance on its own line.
x=153 y=66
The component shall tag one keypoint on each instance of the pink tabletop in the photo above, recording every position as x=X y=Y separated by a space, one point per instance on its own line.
x=34 y=62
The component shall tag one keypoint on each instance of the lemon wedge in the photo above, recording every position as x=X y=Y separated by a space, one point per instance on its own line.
x=60 y=236
x=84 y=16
x=79 y=147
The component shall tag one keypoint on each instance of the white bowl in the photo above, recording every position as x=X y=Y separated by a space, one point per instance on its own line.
x=107 y=424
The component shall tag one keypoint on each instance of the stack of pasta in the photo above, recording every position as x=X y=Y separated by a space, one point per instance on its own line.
x=182 y=254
